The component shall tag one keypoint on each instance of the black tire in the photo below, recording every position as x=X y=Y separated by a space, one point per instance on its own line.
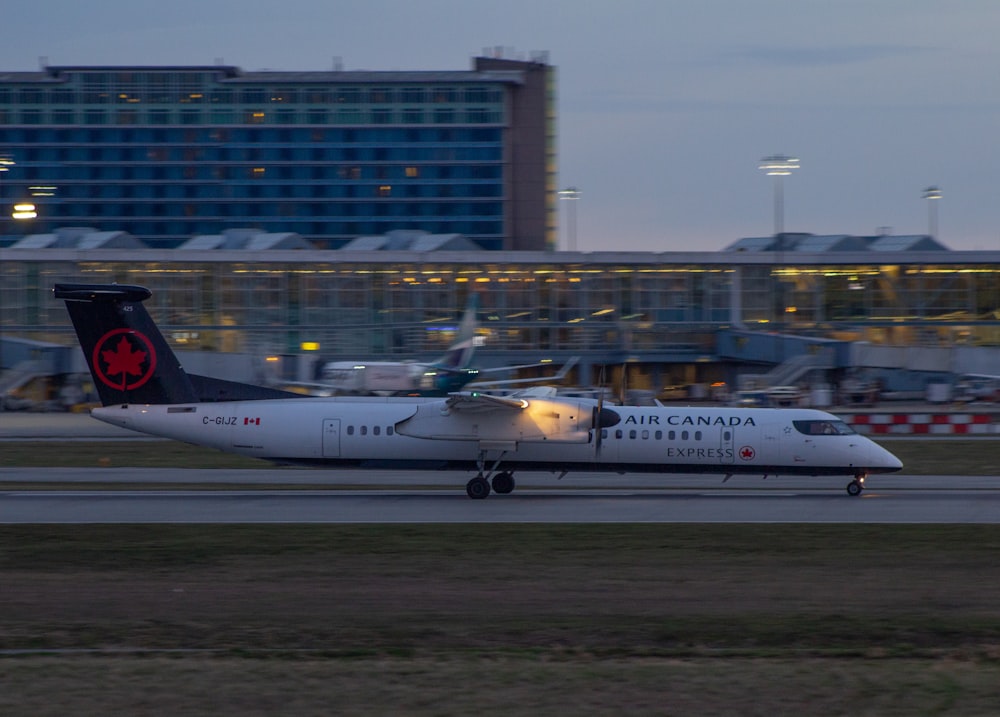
x=503 y=483
x=854 y=488
x=477 y=488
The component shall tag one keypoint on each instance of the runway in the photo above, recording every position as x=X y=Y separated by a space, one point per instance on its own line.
x=193 y=496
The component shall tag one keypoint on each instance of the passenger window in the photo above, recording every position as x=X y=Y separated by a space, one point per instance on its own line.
x=726 y=435
x=658 y=435
x=364 y=430
x=672 y=435
x=618 y=433
x=684 y=435
x=388 y=430
x=350 y=430
x=697 y=435
x=631 y=434
x=604 y=433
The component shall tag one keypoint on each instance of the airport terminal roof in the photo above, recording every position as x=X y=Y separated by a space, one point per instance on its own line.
x=79 y=238
x=820 y=243
x=406 y=240
x=247 y=239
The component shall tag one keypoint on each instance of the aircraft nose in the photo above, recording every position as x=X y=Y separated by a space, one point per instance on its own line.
x=882 y=459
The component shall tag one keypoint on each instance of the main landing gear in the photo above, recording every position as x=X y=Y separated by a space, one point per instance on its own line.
x=479 y=487
x=857 y=485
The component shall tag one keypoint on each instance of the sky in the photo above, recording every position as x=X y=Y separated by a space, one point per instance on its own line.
x=665 y=107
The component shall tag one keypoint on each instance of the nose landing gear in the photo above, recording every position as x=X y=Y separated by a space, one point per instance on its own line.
x=857 y=485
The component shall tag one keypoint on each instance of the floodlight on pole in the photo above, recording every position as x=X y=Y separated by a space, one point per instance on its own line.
x=778 y=166
x=571 y=194
x=932 y=194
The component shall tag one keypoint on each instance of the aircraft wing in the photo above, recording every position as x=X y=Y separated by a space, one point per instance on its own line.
x=479 y=401
x=516 y=381
x=506 y=421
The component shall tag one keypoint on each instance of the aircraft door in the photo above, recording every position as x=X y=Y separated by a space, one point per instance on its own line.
x=727 y=445
x=331 y=438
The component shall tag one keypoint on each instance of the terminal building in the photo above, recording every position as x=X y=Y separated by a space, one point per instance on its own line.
x=903 y=310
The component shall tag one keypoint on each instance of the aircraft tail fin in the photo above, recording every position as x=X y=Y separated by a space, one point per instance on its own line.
x=460 y=353
x=128 y=357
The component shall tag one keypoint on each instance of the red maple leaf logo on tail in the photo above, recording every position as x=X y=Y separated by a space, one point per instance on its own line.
x=123 y=360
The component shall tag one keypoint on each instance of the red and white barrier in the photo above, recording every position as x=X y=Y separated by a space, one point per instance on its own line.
x=944 y=424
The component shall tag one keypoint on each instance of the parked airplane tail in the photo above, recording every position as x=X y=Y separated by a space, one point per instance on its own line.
x=130 y=359
x=460 y=353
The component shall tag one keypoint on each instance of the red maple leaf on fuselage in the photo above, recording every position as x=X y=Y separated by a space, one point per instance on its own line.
x=123 y=360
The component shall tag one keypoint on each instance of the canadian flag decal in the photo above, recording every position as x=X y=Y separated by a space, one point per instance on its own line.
x=251 y=421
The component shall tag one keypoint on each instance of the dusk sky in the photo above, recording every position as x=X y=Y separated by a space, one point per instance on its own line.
x=665 y=107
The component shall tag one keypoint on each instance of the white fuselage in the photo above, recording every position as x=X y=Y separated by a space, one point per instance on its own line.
x=547 y=434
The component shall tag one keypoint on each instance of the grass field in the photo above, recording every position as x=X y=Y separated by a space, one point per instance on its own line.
x=501 y=619
x=497 y=619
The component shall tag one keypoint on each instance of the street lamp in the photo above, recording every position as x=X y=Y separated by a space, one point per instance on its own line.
x=932 y=194
x=778 y=166
x=571 y=194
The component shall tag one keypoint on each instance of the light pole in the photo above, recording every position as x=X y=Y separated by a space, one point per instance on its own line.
x=572 y=195
x=932 y=194
x=778 y=166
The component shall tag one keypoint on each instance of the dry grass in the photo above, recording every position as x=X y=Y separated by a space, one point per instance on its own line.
x=502 y=619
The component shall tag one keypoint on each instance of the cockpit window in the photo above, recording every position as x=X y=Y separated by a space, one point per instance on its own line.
x=823 y=428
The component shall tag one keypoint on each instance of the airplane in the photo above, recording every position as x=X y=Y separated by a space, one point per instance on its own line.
x=451 y=372
x=143 y=387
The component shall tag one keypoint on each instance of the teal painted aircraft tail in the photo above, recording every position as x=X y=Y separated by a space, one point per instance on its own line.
x=460 y=353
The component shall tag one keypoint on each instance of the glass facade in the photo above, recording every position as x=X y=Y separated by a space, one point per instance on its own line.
x=638 y=307
x=167 y=153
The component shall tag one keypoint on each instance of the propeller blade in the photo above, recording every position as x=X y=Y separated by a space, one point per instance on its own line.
x=598 y=431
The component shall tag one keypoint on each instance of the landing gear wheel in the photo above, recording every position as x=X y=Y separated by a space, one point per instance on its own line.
x=854 y=488
x=503 y=482
x=478 y=488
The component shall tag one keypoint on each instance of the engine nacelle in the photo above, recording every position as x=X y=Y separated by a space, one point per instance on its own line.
x=539 y=420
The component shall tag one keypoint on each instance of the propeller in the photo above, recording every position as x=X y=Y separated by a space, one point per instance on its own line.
x=598 y=431
x=603 y=417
